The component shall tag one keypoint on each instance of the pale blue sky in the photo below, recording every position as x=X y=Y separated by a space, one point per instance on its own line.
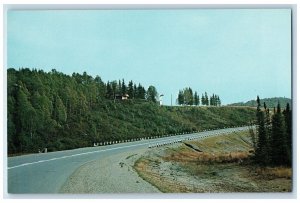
x=236 y=54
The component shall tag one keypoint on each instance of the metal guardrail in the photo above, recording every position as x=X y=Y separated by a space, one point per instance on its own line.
x=188 y=138
x=167 y=135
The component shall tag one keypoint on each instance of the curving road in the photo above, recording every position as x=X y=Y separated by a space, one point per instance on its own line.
x=46 y=173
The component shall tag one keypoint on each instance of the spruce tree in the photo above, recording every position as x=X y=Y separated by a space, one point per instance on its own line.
x=124 y=89
x=119 y=88
x=202 y=100
x=279 y=151
x=141 y=92
x=180 y=98
x=261 y=153
x=109 y=91
x=114 y=88
x=218 y=101
x=196 y=99
x=135 y=92
x=130 y=89
x=288 y=124
x=190 y=96
x=206 y=99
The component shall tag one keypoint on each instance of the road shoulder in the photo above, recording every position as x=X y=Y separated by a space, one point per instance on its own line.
x=111 y=174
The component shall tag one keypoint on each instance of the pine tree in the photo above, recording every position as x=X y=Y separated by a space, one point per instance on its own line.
x=124 y=89
x=196 y=99
x=130 y=89
x=219 y=101
x=288 y=124
x=261 y=153
x=190 y=97
x=212 y=100
x=109 y=91
x=206 y=99
x=141 y=93
x=119 y=88
x=180 y=97
x=202 y=100
x=114 y=86
x=135 y=92
x=279 y=150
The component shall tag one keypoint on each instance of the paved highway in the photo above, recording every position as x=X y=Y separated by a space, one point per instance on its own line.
x=46 y=173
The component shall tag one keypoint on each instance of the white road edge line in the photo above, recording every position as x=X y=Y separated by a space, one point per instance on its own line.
x=74 y=155
x=103 y=150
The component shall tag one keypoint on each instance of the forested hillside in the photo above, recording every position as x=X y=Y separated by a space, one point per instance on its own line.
x=58 y=111
x=270 y=102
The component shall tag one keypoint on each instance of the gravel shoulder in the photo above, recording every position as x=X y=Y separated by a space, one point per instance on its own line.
x=212 y=165
x=111 y=174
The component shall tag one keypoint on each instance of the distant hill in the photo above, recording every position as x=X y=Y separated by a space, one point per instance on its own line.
x=270 y=102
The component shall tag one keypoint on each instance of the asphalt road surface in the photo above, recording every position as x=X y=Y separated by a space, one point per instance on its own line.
x=45 y=173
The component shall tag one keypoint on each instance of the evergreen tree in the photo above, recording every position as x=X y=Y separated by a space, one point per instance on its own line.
x=135 y=92
x=124 y=88
x=206 y=99
x=279 y=150
x=288 y=124
x=188 y=96
x=268 y=129
x=119 y=88
x=180 y=98
x=109 y=91
x=141 y=93
x=212 y=100
x=219 y=101
x=191 y=98
x=202 y=100
x=130 y=89
x=196 y=99
x=114 y=88
x=261 y=153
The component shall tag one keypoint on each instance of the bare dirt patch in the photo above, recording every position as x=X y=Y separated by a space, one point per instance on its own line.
x=220 y=164
x=110 y=174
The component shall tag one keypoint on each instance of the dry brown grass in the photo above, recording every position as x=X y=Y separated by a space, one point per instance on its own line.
x=205 y=157
x=217 y=166
x=277 y=172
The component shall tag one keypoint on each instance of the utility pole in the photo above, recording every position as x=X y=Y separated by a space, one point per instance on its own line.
x=171 y=100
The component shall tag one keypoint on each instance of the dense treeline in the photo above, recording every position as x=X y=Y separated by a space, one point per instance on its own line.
x=187 y=97
x=58 y=111
x=273 y=139
x=270 y=102
x=114 y=89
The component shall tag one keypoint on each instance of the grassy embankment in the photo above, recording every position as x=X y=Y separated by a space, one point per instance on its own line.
x=223 y=165
x=129 y=120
